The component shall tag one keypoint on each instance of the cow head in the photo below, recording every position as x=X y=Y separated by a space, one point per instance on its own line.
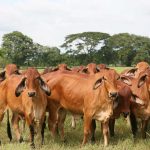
x=62 y=67
x=91 y=69
x=8 y=71
x=124 y=99
x=11 y=69
x=32 y=81
x=108 y=81
x=139 y=87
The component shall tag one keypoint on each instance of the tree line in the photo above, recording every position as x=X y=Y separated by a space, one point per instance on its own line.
x=121 y=49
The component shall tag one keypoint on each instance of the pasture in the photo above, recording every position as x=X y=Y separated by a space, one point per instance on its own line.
x=122 y=141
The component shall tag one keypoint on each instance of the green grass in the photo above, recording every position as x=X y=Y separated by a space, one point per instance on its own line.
x=122 y=140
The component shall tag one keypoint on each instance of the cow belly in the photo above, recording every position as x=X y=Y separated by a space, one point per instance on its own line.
x=102 y=116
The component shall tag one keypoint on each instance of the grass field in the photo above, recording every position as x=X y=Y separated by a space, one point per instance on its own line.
x=122 y=140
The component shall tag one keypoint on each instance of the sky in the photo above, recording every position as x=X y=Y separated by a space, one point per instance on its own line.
x=47 y=22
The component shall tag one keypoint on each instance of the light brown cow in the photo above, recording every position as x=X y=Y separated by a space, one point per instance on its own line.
x=24 y=95
x=92 y=97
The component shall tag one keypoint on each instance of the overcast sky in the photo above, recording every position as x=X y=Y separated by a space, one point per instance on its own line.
x=47 y=22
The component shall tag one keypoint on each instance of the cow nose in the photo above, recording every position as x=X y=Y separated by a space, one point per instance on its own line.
x=31 y=94
x=113 y=94
x=125 y=114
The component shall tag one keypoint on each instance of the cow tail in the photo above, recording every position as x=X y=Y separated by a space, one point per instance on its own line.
x=8 y=126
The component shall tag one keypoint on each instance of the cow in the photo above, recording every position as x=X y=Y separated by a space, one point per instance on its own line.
x=122 y=106
x=140 y=104
x=91 y=69
x=134 y=72
x=9 y=70
x=102 y=66
x=61 y=67
x=25 y=95
x=92 y=96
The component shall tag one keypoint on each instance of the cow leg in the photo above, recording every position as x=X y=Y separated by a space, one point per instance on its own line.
x=15 y=123
x=2 y=109
x=61 y=119
x=133 y=123
x=144 y=128
x=93 y=127
x=42 y=132
x=105 y=130
x=87 y=128
x=31 y=127
x=53 y=124
x=111 y=127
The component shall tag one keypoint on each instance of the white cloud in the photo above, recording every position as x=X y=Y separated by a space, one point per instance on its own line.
x=49 y=21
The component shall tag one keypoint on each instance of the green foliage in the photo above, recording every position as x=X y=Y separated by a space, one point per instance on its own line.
x=17 y=48
x=86 y=43
x=80 y=49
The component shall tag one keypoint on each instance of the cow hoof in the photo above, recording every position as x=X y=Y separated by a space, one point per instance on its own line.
x=21 y=139
x=0 y=143
x=93 y=140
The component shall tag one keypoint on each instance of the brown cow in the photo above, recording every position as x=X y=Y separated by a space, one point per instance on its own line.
x=123 y=105
x=140 y=67
x=61 y=67
x=9 y=70
x=92 y=97
x=91 y=69
x=140 y=109
x=102 y=66
x=24 y=95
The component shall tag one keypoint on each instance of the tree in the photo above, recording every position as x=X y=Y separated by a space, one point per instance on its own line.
x=46 y=56
x=84 y=43
x=17 y=48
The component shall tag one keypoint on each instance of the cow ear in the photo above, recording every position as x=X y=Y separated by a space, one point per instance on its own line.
x=137 y=100
x=97 y=69
x=20 y=87
x=68 y=69
x=131 y=71
x=142 y=80
x=2 y=75
x=85 y=70
x=55 y=69
x=126 y=80
x=44 y=86
x=98 y=83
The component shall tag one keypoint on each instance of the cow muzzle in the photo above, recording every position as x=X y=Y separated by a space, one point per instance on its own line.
x=125 y=114
x=113 y=95
x=31 y=94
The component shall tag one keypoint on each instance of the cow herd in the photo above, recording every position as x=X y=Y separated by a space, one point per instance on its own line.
x=94 y=92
